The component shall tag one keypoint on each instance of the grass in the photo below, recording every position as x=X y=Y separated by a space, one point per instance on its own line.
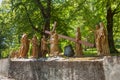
x=90 y=52
x=93 y=52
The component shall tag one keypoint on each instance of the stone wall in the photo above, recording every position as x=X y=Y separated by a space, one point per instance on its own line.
x=107 y=68
x=112 y=68
x=4 y=66
x=57 y=70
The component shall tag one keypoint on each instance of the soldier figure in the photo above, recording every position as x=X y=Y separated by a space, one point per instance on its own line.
x=44 y=47
x=34 y=47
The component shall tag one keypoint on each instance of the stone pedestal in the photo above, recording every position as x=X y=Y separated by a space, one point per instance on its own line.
x=107 y=68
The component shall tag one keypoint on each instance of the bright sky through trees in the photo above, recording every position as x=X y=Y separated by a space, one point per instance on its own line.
x=0 y=1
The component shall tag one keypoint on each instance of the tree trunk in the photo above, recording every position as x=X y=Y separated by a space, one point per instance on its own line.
x=110 y=30
x=45 y=11
x=47 y=18
x=46 y=26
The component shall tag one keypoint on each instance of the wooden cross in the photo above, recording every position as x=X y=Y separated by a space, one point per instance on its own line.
x=69 y=38
x=72 y=39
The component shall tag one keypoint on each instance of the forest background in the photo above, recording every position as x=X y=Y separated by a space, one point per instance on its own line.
x=35 y=16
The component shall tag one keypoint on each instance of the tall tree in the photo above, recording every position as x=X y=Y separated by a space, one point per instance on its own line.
x=46 y=13
x=110 y=20
x=36 y=16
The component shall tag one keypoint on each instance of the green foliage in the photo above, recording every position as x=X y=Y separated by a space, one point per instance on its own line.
x=2 y=43
x=90 y=52
x=24 y=16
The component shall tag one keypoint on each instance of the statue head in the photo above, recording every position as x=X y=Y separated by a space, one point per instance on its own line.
x=97 y=27
x=101 y=25
x=43 y=37
x=52 y=32
x=78 y=29
x=35 y=37
x=54 y=36
x=24 y=37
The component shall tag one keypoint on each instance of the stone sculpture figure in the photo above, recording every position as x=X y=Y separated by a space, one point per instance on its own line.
x=78 y=47
x=35 y=47
x=54 y=49
x=44 y=47
x=101 y=40
x=24 y=46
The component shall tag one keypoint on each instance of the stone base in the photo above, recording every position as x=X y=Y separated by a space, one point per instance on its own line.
x=107 y=68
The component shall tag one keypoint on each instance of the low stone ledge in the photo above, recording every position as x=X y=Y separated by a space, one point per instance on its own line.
x=112 y=67
x=107 y=68
x=66 y=69
x=4 y=67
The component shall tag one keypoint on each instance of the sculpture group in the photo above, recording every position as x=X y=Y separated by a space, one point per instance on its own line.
x=101 y=42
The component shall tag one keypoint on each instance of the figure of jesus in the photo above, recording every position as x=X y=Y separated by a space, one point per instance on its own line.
x=54 y=49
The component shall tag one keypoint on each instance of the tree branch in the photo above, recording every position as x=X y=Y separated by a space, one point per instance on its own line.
x=77 y=9
x=30 y=21
x=48 y=8
x=115 y=10
x=41 y=7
